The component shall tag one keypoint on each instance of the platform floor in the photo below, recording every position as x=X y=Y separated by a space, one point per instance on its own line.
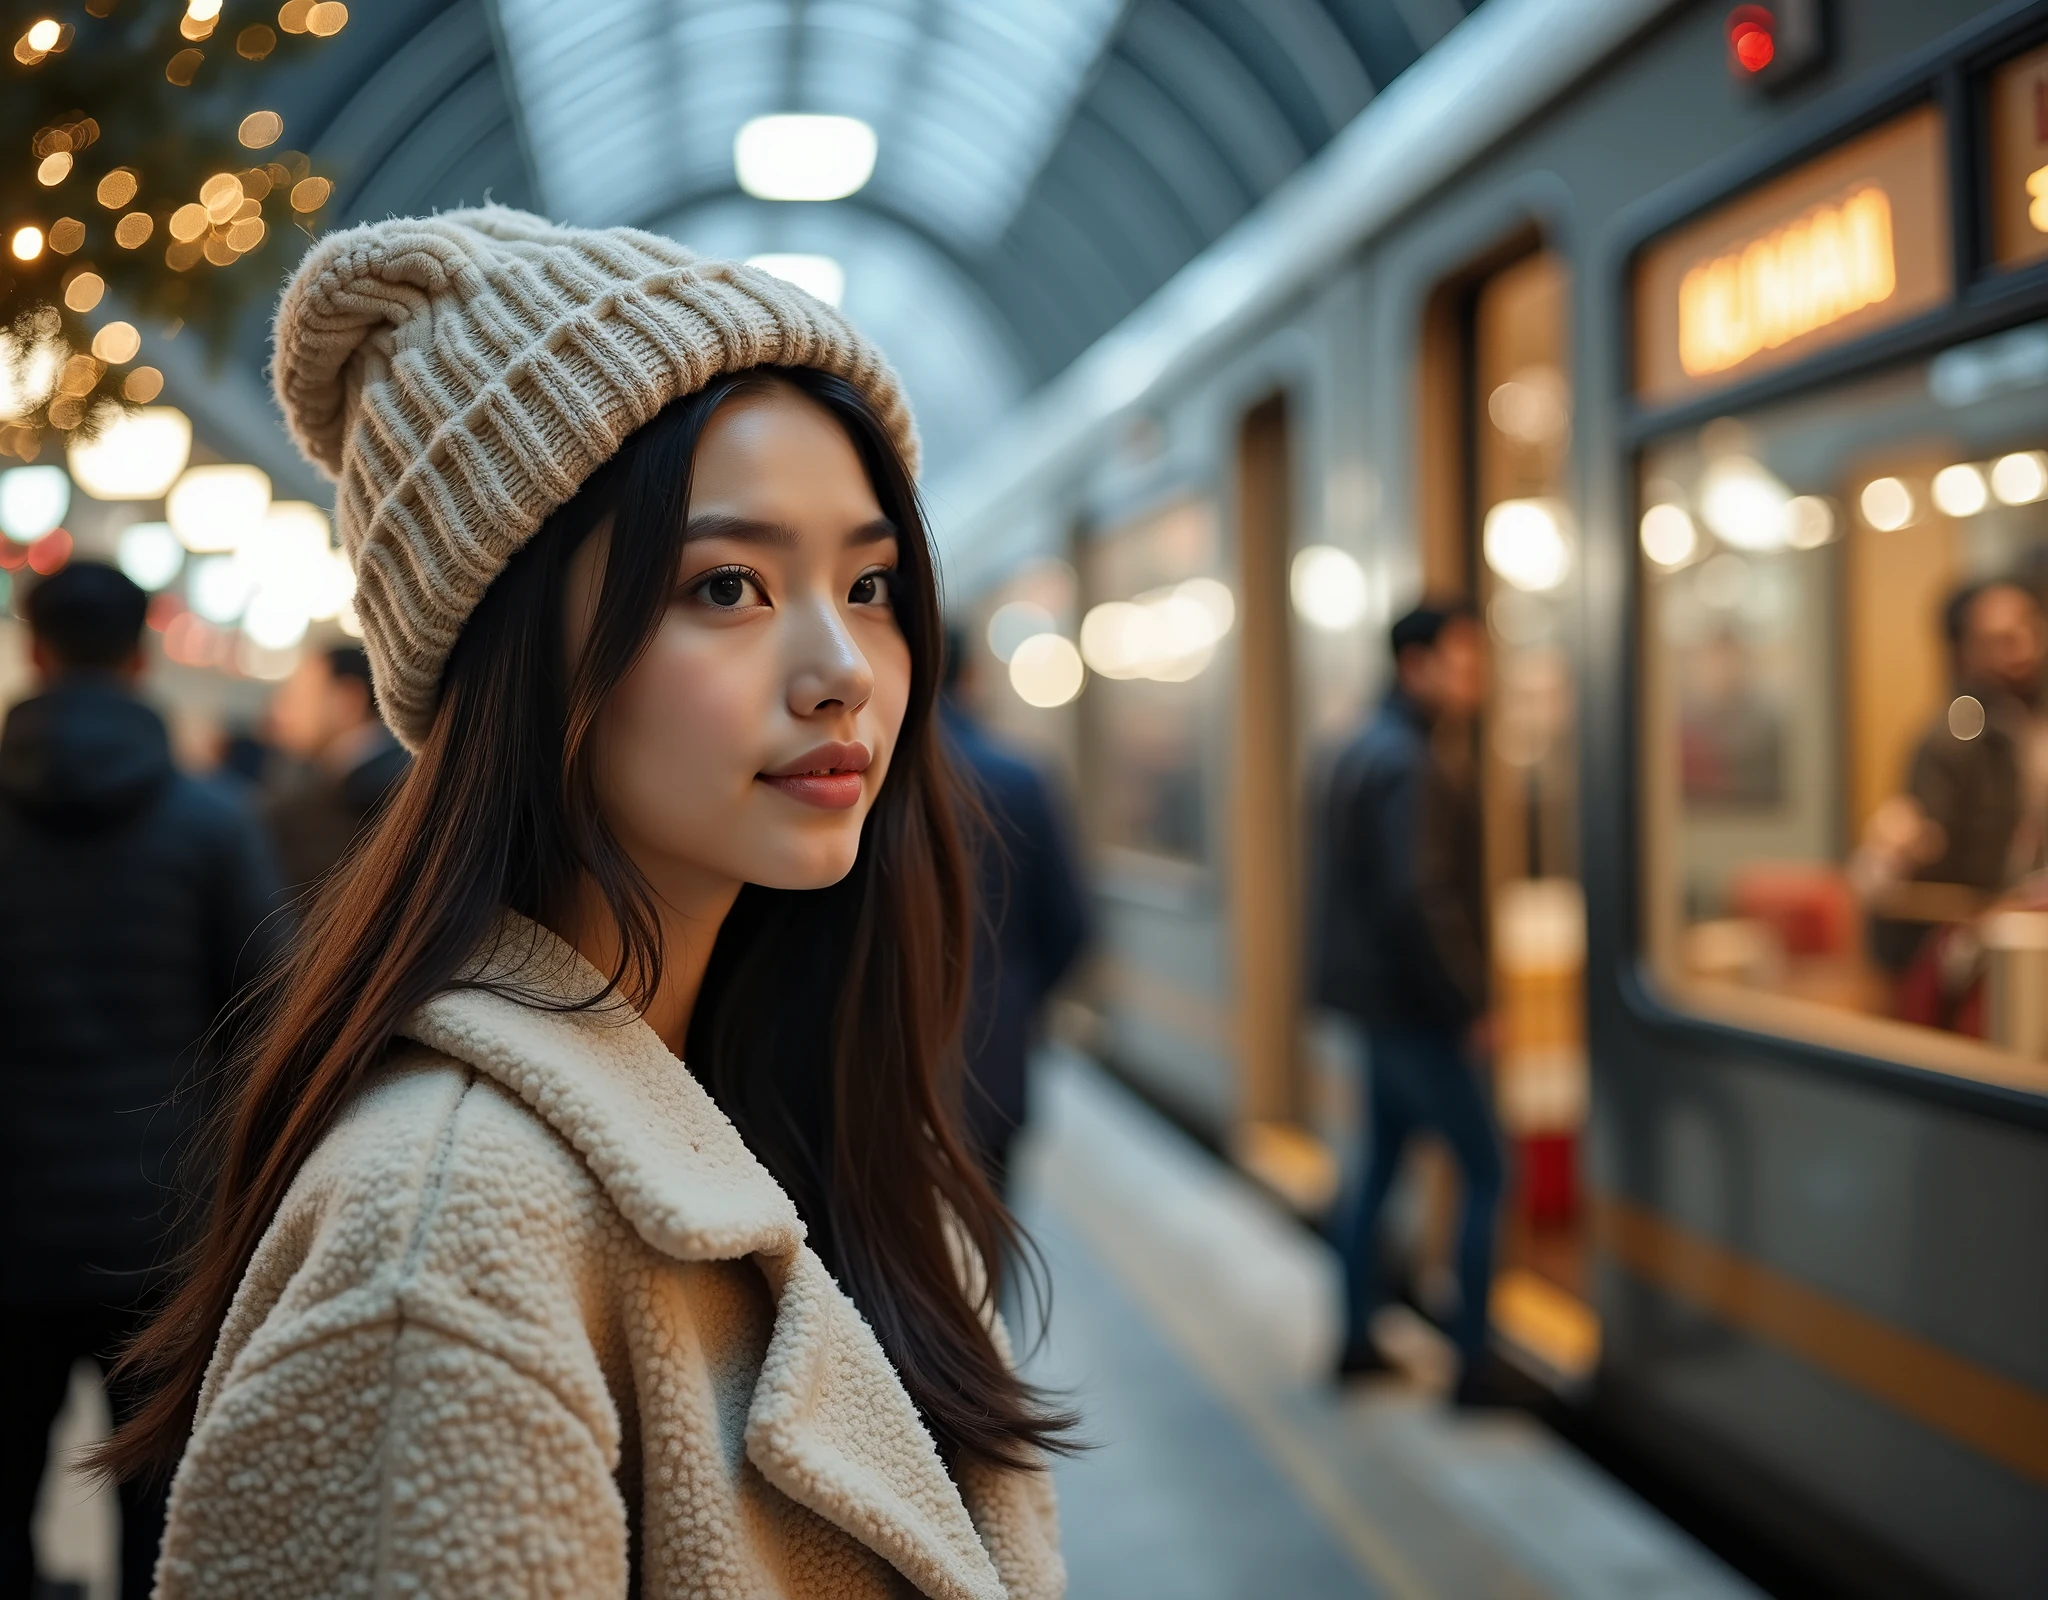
x=1192 y=1322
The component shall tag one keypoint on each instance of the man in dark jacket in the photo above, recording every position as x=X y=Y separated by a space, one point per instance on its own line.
x=1402 y=949
x=346 y=763
x=1033 y=923
x=133 y=909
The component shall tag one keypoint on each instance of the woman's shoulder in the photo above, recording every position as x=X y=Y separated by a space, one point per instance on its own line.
x=437 y=1196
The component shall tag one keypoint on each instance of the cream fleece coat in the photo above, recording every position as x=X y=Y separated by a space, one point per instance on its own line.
x=534 y=1321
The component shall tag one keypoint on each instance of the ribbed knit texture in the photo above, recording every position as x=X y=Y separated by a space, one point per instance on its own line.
x=461 y=375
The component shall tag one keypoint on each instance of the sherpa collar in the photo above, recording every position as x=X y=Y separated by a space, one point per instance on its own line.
x=829 y=1423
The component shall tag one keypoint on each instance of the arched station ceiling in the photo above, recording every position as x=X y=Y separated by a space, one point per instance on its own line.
x=1043 y=165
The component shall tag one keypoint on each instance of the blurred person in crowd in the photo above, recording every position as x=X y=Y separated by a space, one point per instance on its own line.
x=134 y=909
x=1974 y=810
x=344 y=762
x=1033 y=919
x=594 y=1161
x=1401 y=948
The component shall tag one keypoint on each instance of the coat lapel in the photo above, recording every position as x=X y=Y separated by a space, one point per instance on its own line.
x=829 y=1423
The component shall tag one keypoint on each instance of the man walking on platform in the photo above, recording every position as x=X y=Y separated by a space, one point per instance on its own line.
x=133 y=907
x=1402 y=950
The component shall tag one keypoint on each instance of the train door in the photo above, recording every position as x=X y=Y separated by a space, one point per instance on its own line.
x=1265 y=844
x=1502 y=390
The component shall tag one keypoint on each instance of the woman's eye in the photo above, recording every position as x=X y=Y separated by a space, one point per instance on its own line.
x=869 y=589
x=728 y=590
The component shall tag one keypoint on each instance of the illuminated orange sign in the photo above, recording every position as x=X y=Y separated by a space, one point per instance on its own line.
x=1831 y=262
x=2018 y=124
x=1849 y=242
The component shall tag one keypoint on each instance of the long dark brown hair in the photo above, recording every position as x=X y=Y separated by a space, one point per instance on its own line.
x=827 y=1024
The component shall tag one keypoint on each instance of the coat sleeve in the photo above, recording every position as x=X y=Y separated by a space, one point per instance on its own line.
x=391 y=1459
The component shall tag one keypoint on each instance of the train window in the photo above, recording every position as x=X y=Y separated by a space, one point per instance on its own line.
x=1845 y=756
x=1157 y=615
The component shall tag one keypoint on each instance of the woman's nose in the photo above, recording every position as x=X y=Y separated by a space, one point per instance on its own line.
x=827 y=666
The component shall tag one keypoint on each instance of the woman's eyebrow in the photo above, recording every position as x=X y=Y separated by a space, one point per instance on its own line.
x=752 y=530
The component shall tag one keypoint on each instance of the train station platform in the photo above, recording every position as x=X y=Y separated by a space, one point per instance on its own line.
x=1192 y=1323
x=1192 y=1326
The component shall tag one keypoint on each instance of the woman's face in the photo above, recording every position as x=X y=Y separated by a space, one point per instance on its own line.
x=750 y=740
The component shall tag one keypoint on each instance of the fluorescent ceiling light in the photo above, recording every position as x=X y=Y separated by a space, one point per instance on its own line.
x=792 y=157
x=217 y=508
x=815 y=275
x=33 y=500
x=137 y=456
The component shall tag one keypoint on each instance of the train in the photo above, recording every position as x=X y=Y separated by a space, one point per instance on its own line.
x=1704 y=349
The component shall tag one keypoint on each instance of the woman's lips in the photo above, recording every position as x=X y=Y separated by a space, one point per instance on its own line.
x=829 y=791
x=828 y=777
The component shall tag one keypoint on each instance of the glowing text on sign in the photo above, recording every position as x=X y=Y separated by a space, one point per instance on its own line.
x=1815 y=270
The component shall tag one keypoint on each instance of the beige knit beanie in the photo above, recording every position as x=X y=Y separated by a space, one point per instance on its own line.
x=461 y=375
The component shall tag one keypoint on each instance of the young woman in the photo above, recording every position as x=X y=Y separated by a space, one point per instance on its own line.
x=498 y=1296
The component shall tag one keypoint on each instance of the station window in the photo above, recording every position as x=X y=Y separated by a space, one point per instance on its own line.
x=1845 y=757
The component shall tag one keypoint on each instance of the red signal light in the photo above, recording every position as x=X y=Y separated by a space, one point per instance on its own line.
x=1752 y=38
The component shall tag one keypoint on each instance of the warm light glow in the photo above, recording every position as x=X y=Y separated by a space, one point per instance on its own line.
x=83 y=292
x=203 y=10
x=1010 y=625
x=275 y=620
x=2020 y=478
x=1524 y=541
x=293 y=567
x=117 y=343
x=1046 y=671
x=1669 y=538
x=819 y=276
x=1168 y=635
x=1960 y=491
x=222 y=196
x=1745 y=505
x=66 y=235
x=54 y=168
x=116 y=189
x=150 y=554
x=133 y=230
x=27 y=385
x=1328 y=587
x=218 y=508
x=326 y=19
x=803 y=157
x=188 y=222
x=137 y=456
x=27 y=243
x=33 y=500
x=1812 y=522
x=142 y=385
x=310 y=194
x=260 y=129
x=1826 y=265
x=1887 y=504
x=42 y=36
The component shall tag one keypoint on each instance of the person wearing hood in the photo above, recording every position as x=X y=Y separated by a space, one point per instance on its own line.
x=135 y=905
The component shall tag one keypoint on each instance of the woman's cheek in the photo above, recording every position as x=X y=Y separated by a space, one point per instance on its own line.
x=701 y=708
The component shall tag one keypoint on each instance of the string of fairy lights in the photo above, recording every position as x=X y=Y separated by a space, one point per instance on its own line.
x=147 y=193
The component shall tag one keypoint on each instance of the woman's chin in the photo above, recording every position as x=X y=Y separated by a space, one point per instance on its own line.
x=817 y=865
